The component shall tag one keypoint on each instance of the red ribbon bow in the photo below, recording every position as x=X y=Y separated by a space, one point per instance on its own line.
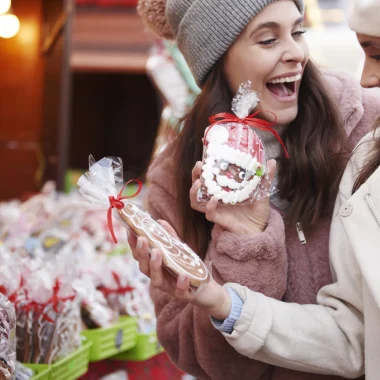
x=55 y=300
x=251 y=120
x=119 y=290
x=118 y=204
x=13 y=297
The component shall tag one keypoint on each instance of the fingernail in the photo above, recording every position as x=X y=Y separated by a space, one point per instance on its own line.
x=182 y=278
x=139 y=243
x=153 y=255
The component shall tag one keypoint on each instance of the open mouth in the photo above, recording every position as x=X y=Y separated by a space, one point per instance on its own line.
x=284 y=87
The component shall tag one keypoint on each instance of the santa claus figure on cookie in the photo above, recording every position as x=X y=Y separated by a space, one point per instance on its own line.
x=233 y=159
x=233 y=163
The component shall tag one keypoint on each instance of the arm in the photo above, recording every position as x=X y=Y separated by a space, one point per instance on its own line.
x=185 y=330
x=327 y=338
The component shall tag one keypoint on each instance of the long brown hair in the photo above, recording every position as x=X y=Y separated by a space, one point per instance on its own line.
x=373 y=162
x=315 y=142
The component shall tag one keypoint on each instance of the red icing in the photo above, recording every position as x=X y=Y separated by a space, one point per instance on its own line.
x=247 y=137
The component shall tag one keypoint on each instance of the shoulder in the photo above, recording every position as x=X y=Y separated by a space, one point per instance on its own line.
x=356 y=164
x=359 y=107
x=161 y=170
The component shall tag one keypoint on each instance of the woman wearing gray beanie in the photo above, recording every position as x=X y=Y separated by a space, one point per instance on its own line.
x=340 y=335
x=278 y=248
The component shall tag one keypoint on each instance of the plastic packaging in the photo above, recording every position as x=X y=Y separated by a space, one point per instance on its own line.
x=48 y=319
x=102 y=185
x=7 y=339
x=234 y=160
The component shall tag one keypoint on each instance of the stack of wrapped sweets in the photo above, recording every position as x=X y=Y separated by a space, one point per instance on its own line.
x=48 y=319
x=47 y=310
x=41 y=241
x=7 y=339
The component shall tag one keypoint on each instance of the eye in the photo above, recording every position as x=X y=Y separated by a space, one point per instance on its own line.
x=242 y=175
x=223 y=165
x=376 y=57
x=267 y=42
x=298 y=34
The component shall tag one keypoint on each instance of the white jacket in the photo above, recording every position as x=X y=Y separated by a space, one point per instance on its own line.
x=331 y=337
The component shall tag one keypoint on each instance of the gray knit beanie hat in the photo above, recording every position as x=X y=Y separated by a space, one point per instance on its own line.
x=205 y=29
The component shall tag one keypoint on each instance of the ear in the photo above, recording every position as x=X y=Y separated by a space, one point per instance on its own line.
x=152 y=13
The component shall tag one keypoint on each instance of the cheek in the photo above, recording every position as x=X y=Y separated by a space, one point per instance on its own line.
x=306 y=50
x=371 y=73
x=250 y=64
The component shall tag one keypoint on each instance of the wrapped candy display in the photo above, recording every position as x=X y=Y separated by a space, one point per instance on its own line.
x=48 y=320
x=7 y=339
x=102 y=185
x=63 y=276
x=234 y=162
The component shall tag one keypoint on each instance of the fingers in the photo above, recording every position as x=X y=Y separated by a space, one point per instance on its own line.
x=141 y=254
x=132 y=239
x=182 y=288
x=168 y=228
x=197 y=171
x=266 y=184
x=272 y=167
x=194 y=195
x=211 y=213
x=155 y=267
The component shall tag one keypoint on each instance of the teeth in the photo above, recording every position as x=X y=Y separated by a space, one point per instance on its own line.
x=287 y=79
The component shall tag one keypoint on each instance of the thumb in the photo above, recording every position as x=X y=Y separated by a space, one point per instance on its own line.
x=266 y=184
x=272 y=168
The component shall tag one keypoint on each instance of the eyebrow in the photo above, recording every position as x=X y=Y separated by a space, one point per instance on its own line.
x=274 y=25
x=368 y=44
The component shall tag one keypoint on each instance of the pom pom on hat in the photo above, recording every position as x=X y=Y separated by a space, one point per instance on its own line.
x=152 y=13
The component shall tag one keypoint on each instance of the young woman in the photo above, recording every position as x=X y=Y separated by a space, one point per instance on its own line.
x=260 y=246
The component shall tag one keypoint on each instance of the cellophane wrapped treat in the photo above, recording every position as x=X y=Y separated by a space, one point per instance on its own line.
x=234 y=159
x=48 y=318
x=7 y=339
x=102 y=185
x=95 y=310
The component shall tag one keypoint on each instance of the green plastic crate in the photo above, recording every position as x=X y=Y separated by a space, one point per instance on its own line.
x=147 y=347
x=73 y=366
x=70 y=368
x=107 y=342
x=41 y=371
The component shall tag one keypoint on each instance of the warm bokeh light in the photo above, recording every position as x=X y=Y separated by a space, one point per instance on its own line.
x=9 y=25
x=4 y=6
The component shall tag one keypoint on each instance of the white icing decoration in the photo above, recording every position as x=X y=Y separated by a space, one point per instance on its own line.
x=218 y=154
x=218 y=134
x=179 y=256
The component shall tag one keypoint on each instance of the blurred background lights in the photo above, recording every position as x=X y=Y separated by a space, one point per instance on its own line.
x=4 y=6
x=9 y=25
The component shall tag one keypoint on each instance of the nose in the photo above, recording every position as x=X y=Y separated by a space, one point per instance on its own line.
x=294 y=52
x=229 y=175
x=371 y=74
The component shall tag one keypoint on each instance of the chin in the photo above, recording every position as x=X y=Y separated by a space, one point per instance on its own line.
x=283 y=116
x=286 y=116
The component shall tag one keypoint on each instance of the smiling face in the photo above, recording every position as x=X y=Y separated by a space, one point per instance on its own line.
x=271 y=52
x=371 y=70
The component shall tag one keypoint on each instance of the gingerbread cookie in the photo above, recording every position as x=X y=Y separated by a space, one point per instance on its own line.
x=233 y=163
x=177 y=257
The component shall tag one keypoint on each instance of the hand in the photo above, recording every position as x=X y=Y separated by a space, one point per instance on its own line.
x=212 y=297
x=241 y=219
